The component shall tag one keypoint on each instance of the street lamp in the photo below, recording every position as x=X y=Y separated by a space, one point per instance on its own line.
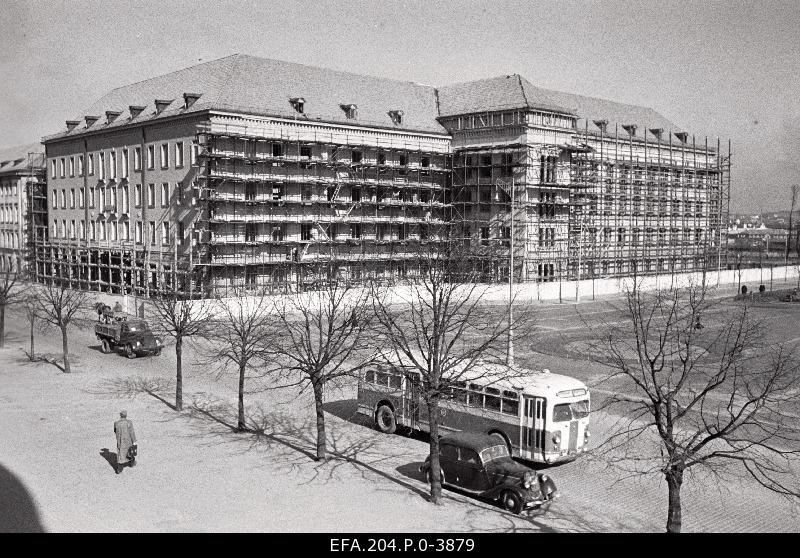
x=581 y=205
x=509 y=189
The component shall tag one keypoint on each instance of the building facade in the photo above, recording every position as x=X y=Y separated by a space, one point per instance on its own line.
x=248 y=171
x=21 y=168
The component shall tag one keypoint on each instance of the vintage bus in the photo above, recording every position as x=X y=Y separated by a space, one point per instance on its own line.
x=540 y=416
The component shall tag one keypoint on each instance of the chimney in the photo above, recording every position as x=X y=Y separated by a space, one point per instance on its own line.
x=190 y=98
x=602 y=124
x=683 y=136
x=298 y=103
x=162 y=104
x=72 y=124
x=112 y=115
x=136 y=110
x=91 y=120
x=657 y=132
x=630 y=128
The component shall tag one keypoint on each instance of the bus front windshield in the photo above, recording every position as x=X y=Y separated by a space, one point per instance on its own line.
x=564 y=412
x=494 y=452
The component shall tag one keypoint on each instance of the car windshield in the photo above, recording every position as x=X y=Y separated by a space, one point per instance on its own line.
x=494 y=452
x=571 y=411
x=137 y=326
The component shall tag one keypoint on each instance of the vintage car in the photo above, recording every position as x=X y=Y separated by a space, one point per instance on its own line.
x=480 y=464
x=131 y=334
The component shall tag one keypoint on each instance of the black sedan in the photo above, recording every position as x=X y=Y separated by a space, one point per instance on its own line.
x=481 y=465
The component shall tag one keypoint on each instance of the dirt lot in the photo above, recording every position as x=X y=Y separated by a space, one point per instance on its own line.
x=195 y=474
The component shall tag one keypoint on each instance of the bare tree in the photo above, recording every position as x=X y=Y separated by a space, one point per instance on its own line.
x=11 y=292
x=794 y=189
x=59 y=305
x=443 y=332
x=694 y=395
x=31 y=306
x=322 y=336
x=181 y=318
x=240 y=322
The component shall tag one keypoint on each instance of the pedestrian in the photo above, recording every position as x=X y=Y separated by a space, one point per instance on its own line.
x=126 y=441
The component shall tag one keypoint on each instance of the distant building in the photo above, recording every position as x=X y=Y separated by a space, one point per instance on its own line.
x=19 y=166
x=756 y=239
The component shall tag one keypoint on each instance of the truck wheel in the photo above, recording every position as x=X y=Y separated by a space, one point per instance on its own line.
x=511 y=502
x=129 y=352
x=158 y=352
x=385 y=419
x=104 y=346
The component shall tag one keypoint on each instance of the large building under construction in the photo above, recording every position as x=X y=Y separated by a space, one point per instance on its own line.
x=248 y=171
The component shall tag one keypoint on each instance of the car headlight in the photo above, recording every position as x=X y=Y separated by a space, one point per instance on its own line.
x=557 y=438
x=527 y=480
x=586 y=434
x=138 y=343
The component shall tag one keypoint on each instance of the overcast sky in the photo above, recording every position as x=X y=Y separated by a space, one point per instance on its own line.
x=727 y=69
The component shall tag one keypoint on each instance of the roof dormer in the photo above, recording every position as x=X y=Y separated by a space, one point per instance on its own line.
x=350 y=111
x=190 y=98
x=298 y=103
x=72 y=124
x=630 y=128
x=682 y=136
x=657 y=132
x=162 y=104
x=136 y=110
x=90 y=120
x=112 y=115
x=601 y=124
x=396 y=116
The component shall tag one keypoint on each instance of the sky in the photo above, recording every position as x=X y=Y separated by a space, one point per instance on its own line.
x=727 y=69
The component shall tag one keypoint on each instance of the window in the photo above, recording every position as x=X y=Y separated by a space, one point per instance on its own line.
x=355 y=194
x=126 y=230
x=402 y=231
x=72 y=198
x=152 y=230
x=510 y=403
x=277 y=233
x=72 y=228
x=492 y=400
x=137 y=195
x=403 y=160
x=357 y=156
x=305 y=231
x=485 y=236
x=82 y=198
x=55 y=199
x=91 y=164
x=164 y=233
x=151 y=195
x=93 y=230
x=72 y=166
x=448 y=452
x=181 y=233
x=82 y=229
x=355 y=230
x=137 y=158
x=63 y=199
x=381 y=158
x=102 y=227
x=125 y=199
x=114 y=231
x=80 y=165
x=425 y=161
x=151 y=157
x=277 y=150
x=165 y=194
x=178 y=154
x=113 y=165
x=53 y=171
x=277 y=192
x=139 y=232
x=101 y=162
x=305 y=152
x=124 y=163
x=195 y=152
x=164 y=155
x=91 y=197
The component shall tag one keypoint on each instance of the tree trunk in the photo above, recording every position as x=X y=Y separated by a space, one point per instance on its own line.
x=318 y=400
x=178 y=374
x=674 y=481
x=32 y=355
x=436 y=479
x=65 y=348
x=240 y=426
x=2 y=326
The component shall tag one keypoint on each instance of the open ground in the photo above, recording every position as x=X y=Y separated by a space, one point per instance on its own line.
x=195 y=474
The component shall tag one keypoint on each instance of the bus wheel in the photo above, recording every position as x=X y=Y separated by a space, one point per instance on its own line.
x=385 y=419
x=511 y=502
x=501 y=439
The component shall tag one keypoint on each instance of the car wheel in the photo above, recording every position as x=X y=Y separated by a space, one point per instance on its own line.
x=129 y=352
x=511 y=502
x=158 y=352
x=430 y=477
x=105 y=347
x=385 y=419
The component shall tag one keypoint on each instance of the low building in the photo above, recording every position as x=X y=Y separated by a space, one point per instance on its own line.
x=20 y=168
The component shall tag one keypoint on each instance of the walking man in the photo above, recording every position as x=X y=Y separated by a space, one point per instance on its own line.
x=126 y=439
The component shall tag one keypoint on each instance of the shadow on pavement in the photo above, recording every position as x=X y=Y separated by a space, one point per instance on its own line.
x=109 y=456
x=18 y=512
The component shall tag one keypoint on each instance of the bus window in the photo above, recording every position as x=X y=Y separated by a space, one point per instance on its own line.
x=510 y=403
x=562 y=413
x=475 y=395
x=459 y=392
x=492 y=400
x=395 y=381
x=382 y=379
x=370 y=376
x=580 y=409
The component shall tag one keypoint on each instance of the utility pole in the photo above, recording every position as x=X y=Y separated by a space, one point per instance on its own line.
x=510 y=190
